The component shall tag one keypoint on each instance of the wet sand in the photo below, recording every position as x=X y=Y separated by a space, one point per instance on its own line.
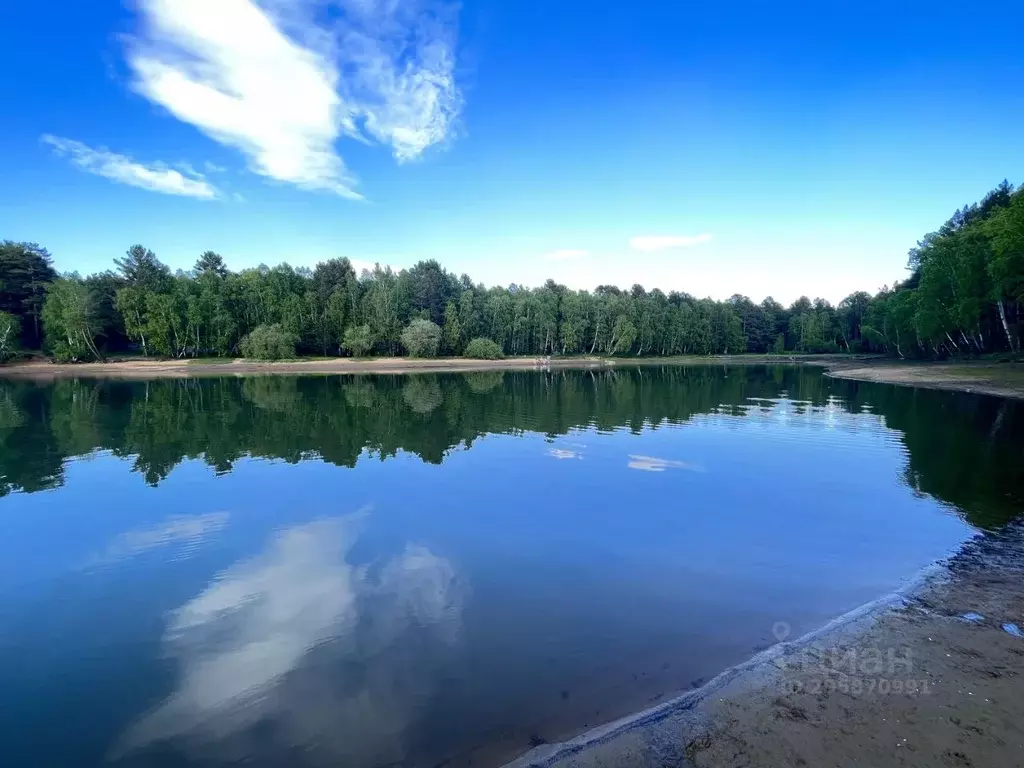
x=906 y=681
x=987 y=378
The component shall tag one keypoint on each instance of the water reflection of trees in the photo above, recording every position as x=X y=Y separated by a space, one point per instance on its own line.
x=966 y=450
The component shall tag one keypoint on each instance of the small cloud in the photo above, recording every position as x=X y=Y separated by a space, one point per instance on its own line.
x=652 y=243
x=213 y=167
x=567 y=254
x=238 y=198
x=157 y=177
x=559 y=453
x=653 y=464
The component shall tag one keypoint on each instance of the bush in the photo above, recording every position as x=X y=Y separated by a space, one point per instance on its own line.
x=823 y=348
x=483 y=349
x=64 y=353
x=358 y=340
x=422 y=338
x=268 y=342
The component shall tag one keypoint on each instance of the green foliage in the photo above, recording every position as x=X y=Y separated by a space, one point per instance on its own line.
x=210 y=263
x=10 y=335
x=421 y=338
x=452 y=332
x=26 y=272
x=483 y=349
x=623 y=335
x=358 y=340
x=383 y=306
x=268 y=342
x=131 y=303
x=69 y=318
x=140 y=267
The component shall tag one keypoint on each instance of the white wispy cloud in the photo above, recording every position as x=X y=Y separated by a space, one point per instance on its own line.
x=651 y=243
x=567 y=254
x=157 y=177
x=282 y=85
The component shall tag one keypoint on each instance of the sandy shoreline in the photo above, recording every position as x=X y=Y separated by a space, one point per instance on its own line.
x=903 y=681
x=986 y=378
x=172 y=369
x=143 y=368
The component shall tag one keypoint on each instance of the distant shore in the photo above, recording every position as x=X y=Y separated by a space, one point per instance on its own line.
x=983 y=377
x=142 y=368
x=149 y=368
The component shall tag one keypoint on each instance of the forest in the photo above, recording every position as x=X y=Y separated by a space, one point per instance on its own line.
x=963 y=296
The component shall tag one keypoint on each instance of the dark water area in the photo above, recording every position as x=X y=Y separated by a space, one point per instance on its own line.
x=427 y=570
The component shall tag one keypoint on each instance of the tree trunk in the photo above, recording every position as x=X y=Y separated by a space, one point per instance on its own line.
x=1006 y=327
x=87 y=338
x=145 y=349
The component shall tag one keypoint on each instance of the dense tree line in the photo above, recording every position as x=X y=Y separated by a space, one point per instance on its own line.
x=966 y=288
x=962 y=449
x=964 y=296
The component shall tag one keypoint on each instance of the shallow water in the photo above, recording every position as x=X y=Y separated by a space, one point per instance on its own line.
x=411 y=570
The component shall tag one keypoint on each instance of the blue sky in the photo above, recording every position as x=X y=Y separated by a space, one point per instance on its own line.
x=761 y=148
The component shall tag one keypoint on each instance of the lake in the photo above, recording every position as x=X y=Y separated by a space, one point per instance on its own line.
x=426 y=570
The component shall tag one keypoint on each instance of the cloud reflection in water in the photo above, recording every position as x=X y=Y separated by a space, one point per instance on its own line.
x=327 y=661
x=654 y=464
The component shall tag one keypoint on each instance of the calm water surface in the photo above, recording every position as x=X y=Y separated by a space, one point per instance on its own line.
x=372 y=571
